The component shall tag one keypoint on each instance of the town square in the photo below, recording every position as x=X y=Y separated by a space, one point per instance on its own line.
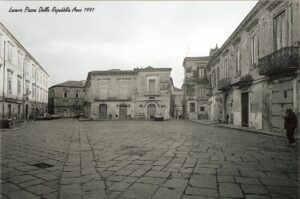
x=144 y=159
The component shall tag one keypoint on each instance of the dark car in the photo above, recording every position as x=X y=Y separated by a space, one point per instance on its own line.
x=5 y=123
x=158 y=117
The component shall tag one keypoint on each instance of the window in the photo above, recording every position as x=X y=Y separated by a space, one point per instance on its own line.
x=9 y=111
x=33 y=90
x=33 y=71
x=238 y=60
x=280 y=31
x=37 y=92
x=37 y=76
x=254 y=50
x=19 y=86
x=201 y=72
x=9 y=52
x=65 y=94
x=9 y=81
x=202 y=108
x=192 y=107
x=190 y=89
x=218 y=73
x=103 y=89
x=214 y=78
x=20 y=60
x=226 y=68
x=151 y=86
x=201 y=92
x=124 y=91
x=27 y=87
x=76 y=95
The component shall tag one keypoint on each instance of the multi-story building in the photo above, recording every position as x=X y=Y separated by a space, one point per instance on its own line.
x=126 y=94
x=23 y=81
x=195 y=87
x=254 y=76
x=66 y=99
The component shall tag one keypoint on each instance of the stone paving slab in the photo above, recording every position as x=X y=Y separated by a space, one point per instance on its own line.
x=144 y=159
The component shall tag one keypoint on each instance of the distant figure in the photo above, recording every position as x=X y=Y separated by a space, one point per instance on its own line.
x=290 y=124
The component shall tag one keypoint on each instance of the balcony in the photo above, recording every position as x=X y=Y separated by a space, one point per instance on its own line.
x=224 y=84
x=244 y=81
x=285 y=60
x=98 y=98
x=203 y=80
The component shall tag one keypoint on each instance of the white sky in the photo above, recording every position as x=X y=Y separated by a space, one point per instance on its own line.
x=124 y=34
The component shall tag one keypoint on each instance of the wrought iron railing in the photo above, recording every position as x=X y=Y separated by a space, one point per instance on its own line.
x=281 y=61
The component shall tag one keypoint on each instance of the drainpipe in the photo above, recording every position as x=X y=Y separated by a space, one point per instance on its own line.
x=3 y=81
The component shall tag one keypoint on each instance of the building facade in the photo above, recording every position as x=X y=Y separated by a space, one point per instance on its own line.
x=66 y=99
x=254 y=76
x=24 y=82
x=195 y=87
x=128 y=94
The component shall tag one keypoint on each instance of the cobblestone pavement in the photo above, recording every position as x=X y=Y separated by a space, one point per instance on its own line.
x=144 y=159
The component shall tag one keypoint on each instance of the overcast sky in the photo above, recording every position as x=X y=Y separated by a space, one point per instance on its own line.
x=124 y=35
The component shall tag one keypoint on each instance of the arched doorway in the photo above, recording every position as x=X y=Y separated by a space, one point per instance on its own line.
x=123 y=111
x=151 y=111
x=103 y=111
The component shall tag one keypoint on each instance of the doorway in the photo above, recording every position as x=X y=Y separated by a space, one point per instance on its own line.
x=26 y=112
x=245 y=109
x=123 y=112
x=151 y=111
x=103 y=111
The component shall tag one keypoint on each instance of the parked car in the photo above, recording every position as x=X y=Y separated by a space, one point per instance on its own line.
x=45 y=117
x=55 y=116
x=158 y=117
x=5 y=123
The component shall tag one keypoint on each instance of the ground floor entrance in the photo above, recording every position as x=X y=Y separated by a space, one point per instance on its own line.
x=151 y=111
x=245 y=109
x=123 y=112
x=103 y=111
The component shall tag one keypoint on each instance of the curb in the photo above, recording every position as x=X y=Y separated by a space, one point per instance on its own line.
x=213 y=123
x=253 y=131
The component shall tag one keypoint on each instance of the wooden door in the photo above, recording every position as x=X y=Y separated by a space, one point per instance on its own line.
x=151 y=111
x=123 y=112
x=245 y=109
x=102 y=111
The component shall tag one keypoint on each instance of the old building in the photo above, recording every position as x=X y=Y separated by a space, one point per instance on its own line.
x=254 y=76
x=23 y=81
x=66 y=99
x=128 y=94
x=195 y=87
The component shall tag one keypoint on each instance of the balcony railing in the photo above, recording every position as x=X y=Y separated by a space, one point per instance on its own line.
x=197 y=80
x=97 y=98
x=281 y=61
x=244 y=81
x=224 y=84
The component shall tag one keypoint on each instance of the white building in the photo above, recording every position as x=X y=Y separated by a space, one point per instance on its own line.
x=23 y=81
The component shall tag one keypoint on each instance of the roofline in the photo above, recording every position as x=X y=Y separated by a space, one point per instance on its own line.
x=22 y=47
x=59 y=85
x=66 y=86
x=201 y=58
x=151 y=69
x=258 y=6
